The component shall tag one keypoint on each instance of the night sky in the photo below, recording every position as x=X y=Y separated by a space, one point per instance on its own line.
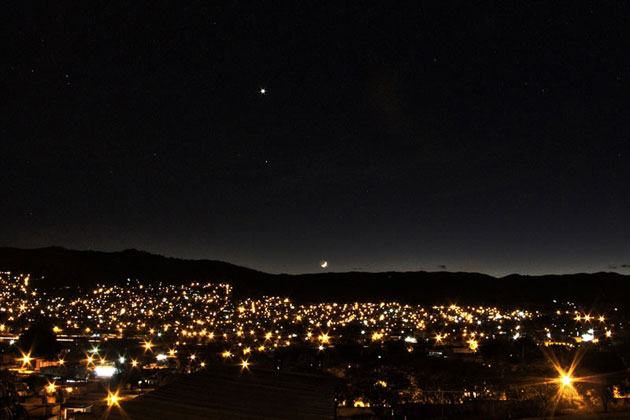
x=373 y=135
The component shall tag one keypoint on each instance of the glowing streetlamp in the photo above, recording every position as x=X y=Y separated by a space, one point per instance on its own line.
x=50 y=388
x=112 y=398
x=566 y=380
x=26 y=359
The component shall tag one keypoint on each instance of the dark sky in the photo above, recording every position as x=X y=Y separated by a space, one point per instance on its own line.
x=391 y=136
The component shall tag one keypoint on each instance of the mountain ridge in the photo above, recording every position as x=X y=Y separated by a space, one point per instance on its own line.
x=61 y=267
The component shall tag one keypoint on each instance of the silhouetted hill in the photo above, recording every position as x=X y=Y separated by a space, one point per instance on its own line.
x=62 y=267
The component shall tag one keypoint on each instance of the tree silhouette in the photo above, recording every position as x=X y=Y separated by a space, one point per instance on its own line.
x=39 y=340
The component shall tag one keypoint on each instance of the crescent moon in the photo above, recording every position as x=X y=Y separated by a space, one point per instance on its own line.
x=323 y=264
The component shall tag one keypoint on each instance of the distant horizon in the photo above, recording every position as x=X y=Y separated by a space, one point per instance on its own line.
x=610 y=269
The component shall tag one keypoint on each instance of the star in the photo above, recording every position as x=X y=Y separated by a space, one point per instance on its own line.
x=263 y=91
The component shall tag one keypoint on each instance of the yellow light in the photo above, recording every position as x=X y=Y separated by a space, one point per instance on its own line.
x=90 y=359
x=26 y=359
x=56 y=329
x=566 y=380
x=268 y=336
x=203 y=364
x=246 y=350
x=148 y=345
x=50 y=388
x=244 y=364
x=171 y=352
x=261 y=348
x=359 y=403
x=134 y=363
x=61 y=362
x=324 y=338
x=226 y=354
x=608 y=333
x=69 y=389
x=473 y=345
x=602 y=318
x=112 y=398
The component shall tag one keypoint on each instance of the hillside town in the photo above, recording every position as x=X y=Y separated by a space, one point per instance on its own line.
x=73 y=350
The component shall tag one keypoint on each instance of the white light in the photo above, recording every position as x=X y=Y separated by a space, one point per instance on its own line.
x=263 y=91
x=161 y=357
x=121 y=359
x=410 y=340
x=587 y=337
x=104 y=371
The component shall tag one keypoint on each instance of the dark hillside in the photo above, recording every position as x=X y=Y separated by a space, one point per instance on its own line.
x=61 y=267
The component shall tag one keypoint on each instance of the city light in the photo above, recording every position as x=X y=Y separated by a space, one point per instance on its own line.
x=51 y=387
x=112 y=399
x=105 y=371
x=192 y=315
x=26 y=359
x=566 y=380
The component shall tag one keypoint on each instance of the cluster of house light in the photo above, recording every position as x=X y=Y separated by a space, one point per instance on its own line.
x=198 y=313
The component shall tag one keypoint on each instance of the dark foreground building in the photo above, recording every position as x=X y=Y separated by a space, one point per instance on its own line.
x=229 y=393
